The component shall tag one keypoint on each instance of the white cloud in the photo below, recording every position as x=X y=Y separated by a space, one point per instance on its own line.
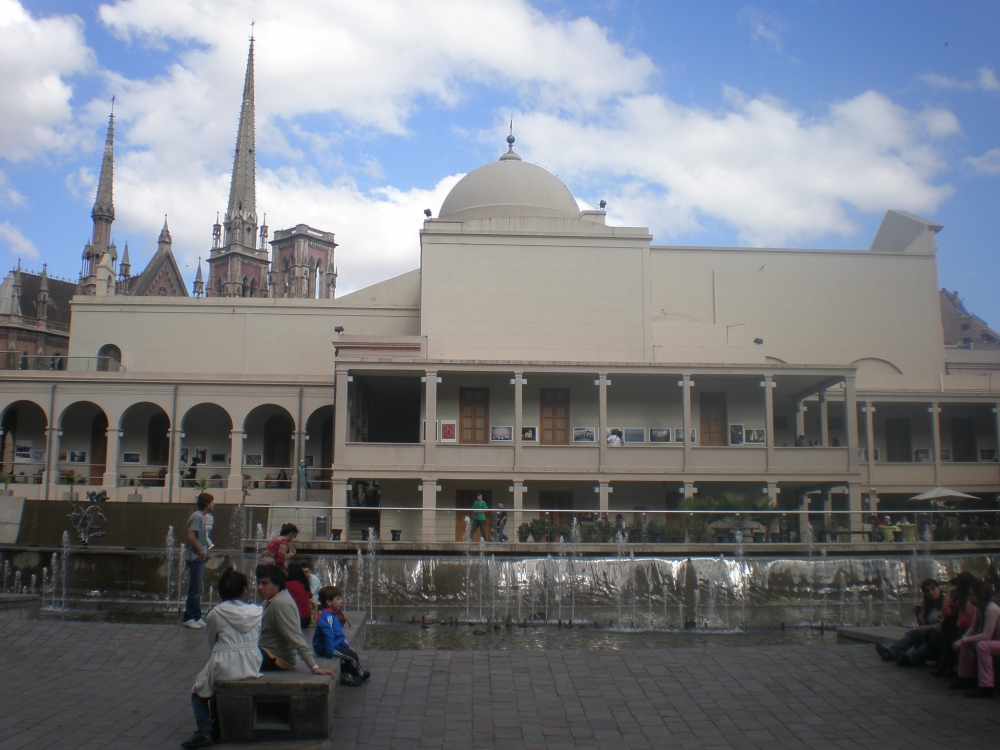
x=769 y=171
x=987 y=164
x=9 y=197
x=36 y=57
x=17 y=243
x=986 y=80
x=764 y=27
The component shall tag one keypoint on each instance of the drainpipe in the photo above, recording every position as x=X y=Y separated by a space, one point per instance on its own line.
x=171 y=458
x=48 y=442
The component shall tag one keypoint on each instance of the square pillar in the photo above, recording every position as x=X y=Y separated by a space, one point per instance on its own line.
x=51 y=476
x=519 y=489
x=768 y=384
x=851 y=423
x=602 y=429
x=854 y=503
x=603 y=491
x=340 y=416
x=869 y=410
x=110 y=480
x=173 y=478
x=688 y=490
x=338 y=506
x=827 y=514
x=428 y=518
x=803 y=517
x=800 y=419
x=236 y=438
x=824 y=420
x=519 y=382
x=686 y=383
x=430 y=415
x=935 y=410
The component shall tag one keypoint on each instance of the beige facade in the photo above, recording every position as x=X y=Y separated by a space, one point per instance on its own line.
x=529 y=332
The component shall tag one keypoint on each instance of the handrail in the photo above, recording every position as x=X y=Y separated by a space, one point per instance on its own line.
x=15 y=360
x=623 y=511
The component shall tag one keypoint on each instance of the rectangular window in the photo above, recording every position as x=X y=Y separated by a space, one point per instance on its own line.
x=966 y=326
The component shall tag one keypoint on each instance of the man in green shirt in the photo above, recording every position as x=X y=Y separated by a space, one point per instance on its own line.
x=479 y=518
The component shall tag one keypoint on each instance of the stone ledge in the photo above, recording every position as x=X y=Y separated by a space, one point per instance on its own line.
x=883 y=634
x=19 y=606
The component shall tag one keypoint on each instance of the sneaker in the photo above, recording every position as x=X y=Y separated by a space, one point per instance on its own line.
x=882 y=651
x=367 y=676
x=198 y=739
x=194 y=625
x=349 y=680
x=201 y=622
x=980 y=693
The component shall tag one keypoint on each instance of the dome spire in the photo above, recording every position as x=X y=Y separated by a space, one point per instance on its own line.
x=510 y=145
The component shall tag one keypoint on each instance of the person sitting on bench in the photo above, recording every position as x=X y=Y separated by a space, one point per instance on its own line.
x=330 y=642
x=281 y=641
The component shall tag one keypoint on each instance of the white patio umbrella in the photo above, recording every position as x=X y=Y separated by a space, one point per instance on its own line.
x=941 y=493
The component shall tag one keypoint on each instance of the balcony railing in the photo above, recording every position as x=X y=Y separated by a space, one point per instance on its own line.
x=25 y=322
x=10 y=360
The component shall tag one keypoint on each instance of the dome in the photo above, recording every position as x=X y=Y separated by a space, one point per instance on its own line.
x=509 y=187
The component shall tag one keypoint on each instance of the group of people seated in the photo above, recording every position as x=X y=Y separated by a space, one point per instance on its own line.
x=250 y=639
x=958 y=632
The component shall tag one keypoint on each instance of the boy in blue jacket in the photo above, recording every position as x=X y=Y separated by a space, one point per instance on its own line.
x=330 y=642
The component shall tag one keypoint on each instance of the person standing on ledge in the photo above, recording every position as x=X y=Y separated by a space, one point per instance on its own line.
x=501 y=522
x=281 y=641
x=195 y=550
x=479 y=518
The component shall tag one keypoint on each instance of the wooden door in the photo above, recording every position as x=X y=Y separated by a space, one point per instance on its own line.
x=474 y=415
x=561 y=503
x=713 y=418
x=898 y=448
x=465 y=499
x=963 y=439
x=98 y=447
x=554 y=416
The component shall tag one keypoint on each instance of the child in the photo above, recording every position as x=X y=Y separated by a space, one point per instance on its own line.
x=329 y=640
x=233 y=629
x=209 y=524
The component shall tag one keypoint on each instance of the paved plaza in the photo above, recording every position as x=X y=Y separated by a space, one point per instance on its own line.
x=88 y=685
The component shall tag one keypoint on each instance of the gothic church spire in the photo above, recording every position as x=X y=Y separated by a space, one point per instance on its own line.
x=242 y=188
x=103 y=212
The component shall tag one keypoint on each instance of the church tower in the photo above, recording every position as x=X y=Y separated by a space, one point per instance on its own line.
x=100 y=254
x=237 y=264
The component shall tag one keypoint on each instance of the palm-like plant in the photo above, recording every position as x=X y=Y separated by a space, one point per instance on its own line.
x=735 y=509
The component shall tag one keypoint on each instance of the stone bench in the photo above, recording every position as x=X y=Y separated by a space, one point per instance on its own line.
x=19 y=606
x=293 y=705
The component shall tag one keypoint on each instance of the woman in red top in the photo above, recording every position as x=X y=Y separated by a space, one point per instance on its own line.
x=297 y=585
x=956 y=617
x=280 y=548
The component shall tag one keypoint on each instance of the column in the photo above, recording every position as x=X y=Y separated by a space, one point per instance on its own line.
x=827 y=515
x=428 y=522
x=686 y=384
x=430 y=415
x=51 y=477
x=689 y=490
x=173 y=478
x=772 y=493
x=869 y=409
x=769 y=417
x=803 y=518
x=338 y=509
x=518 y=509
x=935 y=411
x=340 y=417
x=800 y=419
x=603 y=491
x=996 y=430
x=236 y=438
x=854 y=503
x=518 y=419
x=851 y=423
x=824 y=420
x=602 y=429
x=110 y=480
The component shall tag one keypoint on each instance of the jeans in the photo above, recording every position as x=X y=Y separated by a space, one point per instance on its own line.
x=500 y=527
x=481 y=525
x=196 y=576
x=205 y=715
x=915 y=644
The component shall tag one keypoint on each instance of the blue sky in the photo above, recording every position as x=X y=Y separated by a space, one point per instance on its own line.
x=724 y=123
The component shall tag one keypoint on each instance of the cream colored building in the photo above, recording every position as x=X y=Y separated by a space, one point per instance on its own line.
x=530 y=330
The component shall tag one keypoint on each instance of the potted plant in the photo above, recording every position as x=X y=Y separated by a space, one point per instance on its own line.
x=5 y=479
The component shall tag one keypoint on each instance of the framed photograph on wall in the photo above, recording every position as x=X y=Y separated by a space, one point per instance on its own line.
x=308 y=460
x=38 y=457
x=218 y=458
x=694 y=435
x=501 y=434
x=78 y=457
x=449 y=430
x=922 y=454
x=63 y=457
x=946 y=454
x=253 y=459
x=755 y=437
x=131 y=458
x=987 y=454
x=584 y=434
x=529 y=434
x=614 y=436
x=201 y=454
x=660 y=434
x=678 y=434
x=184 y=455
x=635 y=434
x=736 y=434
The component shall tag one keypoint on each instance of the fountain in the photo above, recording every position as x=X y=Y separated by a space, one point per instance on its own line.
x=87 y=522
x=64 y=578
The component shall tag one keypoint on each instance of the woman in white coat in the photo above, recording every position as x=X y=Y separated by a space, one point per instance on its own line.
x=233 y=631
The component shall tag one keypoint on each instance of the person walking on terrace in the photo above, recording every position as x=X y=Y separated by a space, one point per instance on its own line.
x=479 y=518
x=233 y=628
x=195 y=550
x=281 y=641
x=501 y=519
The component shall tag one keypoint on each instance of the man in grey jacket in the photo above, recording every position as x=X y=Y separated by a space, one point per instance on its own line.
x=281 y=641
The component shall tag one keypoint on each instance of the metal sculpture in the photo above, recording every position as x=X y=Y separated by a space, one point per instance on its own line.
x=87 y=522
